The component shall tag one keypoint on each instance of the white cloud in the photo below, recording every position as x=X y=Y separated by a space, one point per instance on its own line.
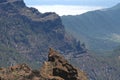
x=65 y=9
x=115 y=37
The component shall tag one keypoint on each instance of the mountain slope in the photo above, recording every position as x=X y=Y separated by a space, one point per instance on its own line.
x=99 y=66
x=30 y=33
x=100 y=31
x=100 y=27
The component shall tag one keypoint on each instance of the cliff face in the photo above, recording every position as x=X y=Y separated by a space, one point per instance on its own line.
x=29 y=33
x=56 y=68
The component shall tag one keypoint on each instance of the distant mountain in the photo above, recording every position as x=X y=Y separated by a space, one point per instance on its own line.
x=26 y=34
x=98 y=29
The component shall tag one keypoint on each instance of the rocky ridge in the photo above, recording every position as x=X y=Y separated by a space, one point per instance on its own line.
x=56 y=68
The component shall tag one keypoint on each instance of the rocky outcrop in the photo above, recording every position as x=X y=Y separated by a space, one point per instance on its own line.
x=17 y=72
x=56 y=68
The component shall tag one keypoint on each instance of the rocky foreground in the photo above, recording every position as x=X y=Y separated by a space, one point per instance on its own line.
x=56 y=68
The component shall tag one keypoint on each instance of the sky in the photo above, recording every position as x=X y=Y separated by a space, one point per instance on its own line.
x=70 y=7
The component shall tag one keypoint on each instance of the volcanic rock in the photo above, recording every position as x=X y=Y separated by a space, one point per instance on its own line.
x=58 y=68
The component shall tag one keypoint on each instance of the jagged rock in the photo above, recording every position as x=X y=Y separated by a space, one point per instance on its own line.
x=15 y=72
x=23 y=67
x=56 y=68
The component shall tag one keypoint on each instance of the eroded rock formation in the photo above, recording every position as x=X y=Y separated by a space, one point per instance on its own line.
x=58 y=68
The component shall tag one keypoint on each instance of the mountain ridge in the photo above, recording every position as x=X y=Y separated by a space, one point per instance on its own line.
x=97 y=27
x=29 y=33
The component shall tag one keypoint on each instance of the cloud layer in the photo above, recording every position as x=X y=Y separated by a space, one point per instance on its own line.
x=65 y=9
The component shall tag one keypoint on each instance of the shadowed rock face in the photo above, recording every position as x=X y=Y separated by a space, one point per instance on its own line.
x=56 y=68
